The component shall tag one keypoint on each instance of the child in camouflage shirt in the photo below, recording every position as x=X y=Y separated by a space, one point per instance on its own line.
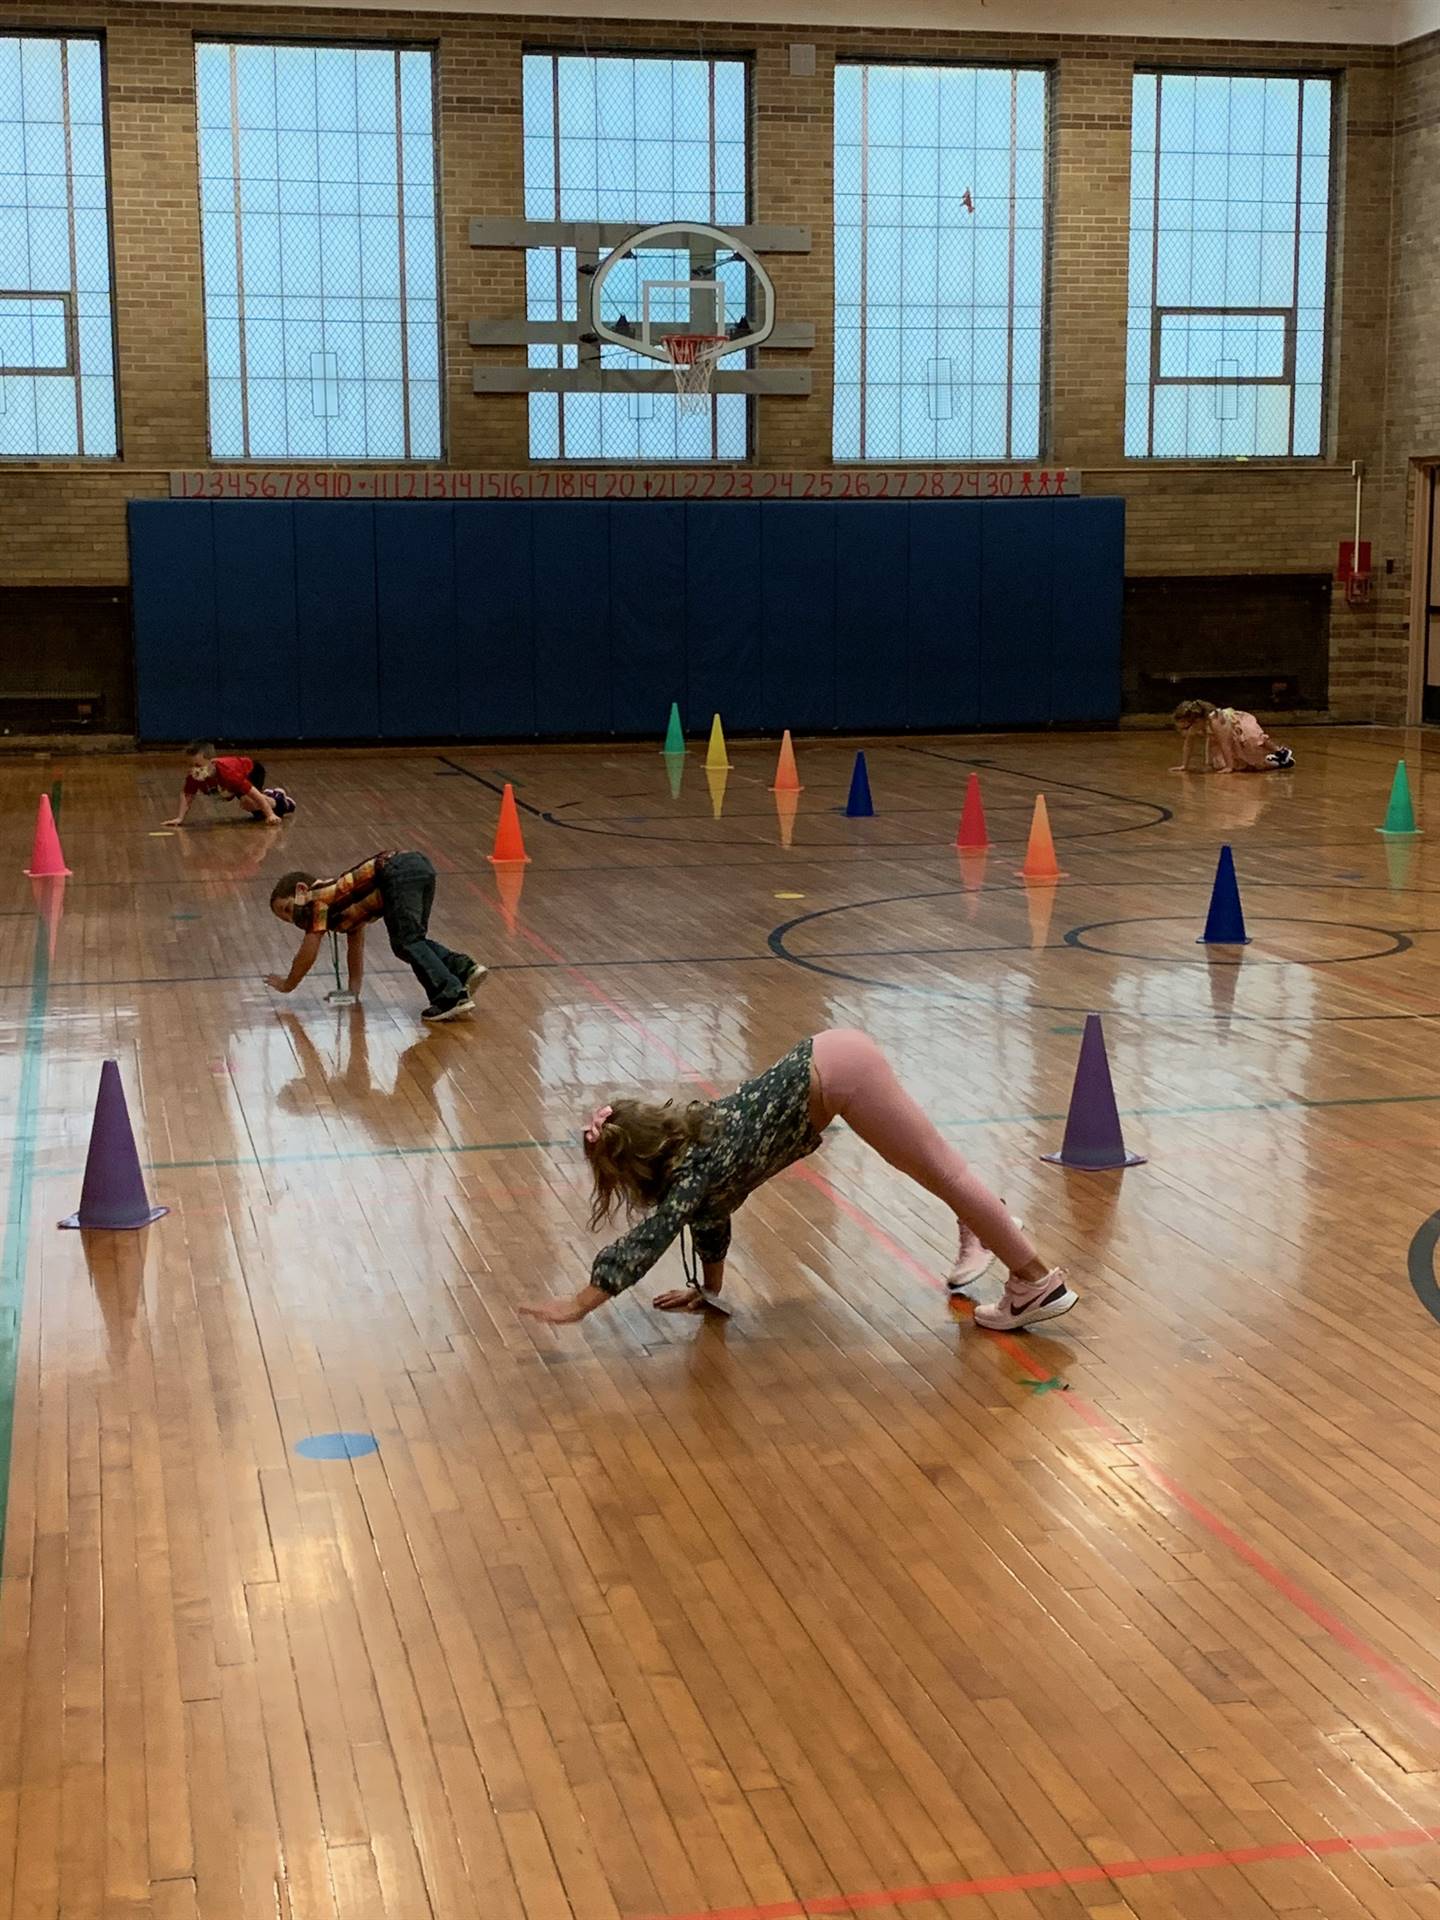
x=693 y=1168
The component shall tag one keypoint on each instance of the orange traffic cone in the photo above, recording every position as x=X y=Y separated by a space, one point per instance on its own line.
x=46 y=860
x=787 y=776
x=1040 y=861
x=972 y=833
x=509 y=843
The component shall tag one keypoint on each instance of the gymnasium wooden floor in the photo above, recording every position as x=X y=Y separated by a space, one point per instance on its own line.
x=842 y=1606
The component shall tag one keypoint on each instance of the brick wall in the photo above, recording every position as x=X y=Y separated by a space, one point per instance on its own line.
x=1412 y=415
x=65 y=523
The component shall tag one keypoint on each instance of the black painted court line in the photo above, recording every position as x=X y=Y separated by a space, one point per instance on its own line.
x=1422 y=1266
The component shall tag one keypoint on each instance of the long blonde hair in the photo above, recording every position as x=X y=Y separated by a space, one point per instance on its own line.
x=634 y=1152
x=1189 y=712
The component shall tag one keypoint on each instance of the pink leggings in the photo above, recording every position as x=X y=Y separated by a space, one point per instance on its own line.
x=853 y=1080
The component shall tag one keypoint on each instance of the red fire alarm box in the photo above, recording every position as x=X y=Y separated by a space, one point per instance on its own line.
x=1350 y=564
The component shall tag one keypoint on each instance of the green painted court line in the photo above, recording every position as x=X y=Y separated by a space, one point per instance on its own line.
x=946 y=1126
x=17 y=1206
x=339 y=1153
x=1222 y=1106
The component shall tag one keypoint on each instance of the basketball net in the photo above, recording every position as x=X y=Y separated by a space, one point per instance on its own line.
x=693 y=357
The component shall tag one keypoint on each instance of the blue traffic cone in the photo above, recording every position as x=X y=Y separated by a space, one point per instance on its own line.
x=1225 y=923
x=859 y=806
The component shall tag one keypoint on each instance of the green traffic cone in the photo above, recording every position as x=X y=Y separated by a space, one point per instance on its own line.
x=675 y=733
x=1400 y=815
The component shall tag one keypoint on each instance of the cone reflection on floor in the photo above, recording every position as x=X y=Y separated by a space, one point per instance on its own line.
x=675 y=772
x=1040 y=862
x=509 y=844
x=972 y=833
x=716 y=756
x=113 y=1195
x=49 y=897
x=1224 y=972
x=674 y=733
x=509 y=885
x=1093 y=1140
x=1040 y=910
x=787 y=774
x=787 y=805
x=47 y=862
x=1401 y=856
x=973 y=862
x=717 y=778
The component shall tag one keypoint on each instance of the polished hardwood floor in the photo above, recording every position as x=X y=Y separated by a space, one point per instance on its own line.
x=839 y=1606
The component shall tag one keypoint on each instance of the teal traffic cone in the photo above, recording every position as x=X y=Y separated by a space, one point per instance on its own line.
x=675 y=733
x=1400 y=814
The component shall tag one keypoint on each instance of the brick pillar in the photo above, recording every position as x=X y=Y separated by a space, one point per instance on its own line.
x=155 y=190
x=795 y=186
x=482 y=172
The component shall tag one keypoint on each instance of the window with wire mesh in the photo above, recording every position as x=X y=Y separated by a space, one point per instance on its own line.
x=319 y=229
x=940 y=215
x=57 y=317
x=1229 y=266
x=647 y=140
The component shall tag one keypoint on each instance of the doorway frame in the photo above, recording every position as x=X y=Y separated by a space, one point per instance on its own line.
x=1427 y=484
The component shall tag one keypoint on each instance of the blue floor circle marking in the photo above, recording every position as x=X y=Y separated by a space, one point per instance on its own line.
x=337 y=1446
x=1422 y=1266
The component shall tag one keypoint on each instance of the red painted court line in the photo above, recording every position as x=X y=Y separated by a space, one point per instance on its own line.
x=1402 y=1684
x=881 y=1899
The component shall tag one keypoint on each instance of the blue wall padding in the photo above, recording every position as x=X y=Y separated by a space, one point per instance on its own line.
x=523 y=619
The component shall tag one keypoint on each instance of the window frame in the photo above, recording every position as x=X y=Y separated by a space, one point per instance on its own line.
x=354 y=44
x=1324 y=455
x=1050 y=73
x=65 y=297
x=742 y=57
x=98 y=37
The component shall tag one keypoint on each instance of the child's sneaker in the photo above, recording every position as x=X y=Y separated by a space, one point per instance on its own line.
x=449 y=1009
x=1026 y=1306
x=973 y=1261
x=471 y=974
x=1282 y=759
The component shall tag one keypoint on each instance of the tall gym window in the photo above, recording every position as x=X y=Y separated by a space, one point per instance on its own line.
x=940 y=216
x=57 y=317
x=647 y=139
x=318 y=203
x=1229 y=263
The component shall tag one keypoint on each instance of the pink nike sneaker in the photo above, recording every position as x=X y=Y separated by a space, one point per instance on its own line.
x=1021 y=1307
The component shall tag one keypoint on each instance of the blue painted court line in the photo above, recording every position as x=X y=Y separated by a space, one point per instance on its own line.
x=17 y=1205
x=337 y=1446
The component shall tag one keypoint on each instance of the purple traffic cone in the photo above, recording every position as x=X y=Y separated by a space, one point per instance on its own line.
x=113 y=1195
x=1093 y=1141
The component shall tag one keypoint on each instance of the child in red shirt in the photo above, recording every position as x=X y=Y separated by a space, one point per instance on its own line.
x=231 y=777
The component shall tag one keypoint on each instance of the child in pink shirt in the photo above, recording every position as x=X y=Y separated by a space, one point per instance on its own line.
x=1234 y=741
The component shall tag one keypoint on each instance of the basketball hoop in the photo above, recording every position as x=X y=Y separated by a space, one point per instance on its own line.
x=693 y=356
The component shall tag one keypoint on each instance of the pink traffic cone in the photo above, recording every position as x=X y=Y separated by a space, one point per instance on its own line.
x=46 y=859
x=113 y=1195
x=1093 y=1141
